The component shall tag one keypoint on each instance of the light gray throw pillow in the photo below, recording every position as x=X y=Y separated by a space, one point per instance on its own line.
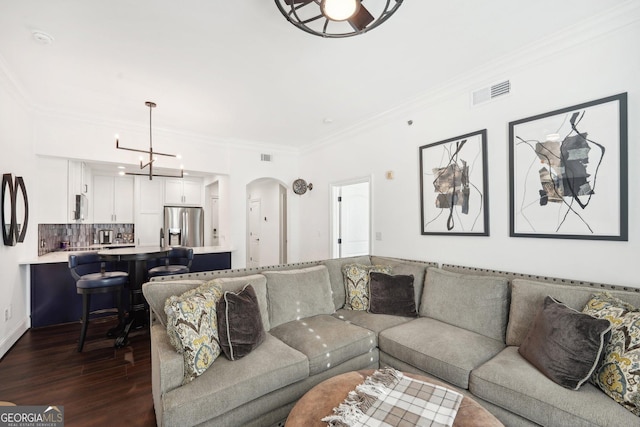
x=476 y=303
x=296 y=294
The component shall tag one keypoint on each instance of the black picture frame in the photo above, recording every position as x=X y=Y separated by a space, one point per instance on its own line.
x=568 y=172
x=454 y=190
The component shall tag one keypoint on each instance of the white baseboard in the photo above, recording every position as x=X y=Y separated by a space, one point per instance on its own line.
x=13 y=337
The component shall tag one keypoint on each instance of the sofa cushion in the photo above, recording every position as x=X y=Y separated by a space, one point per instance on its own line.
x=619 y=374
x=417 y=268
x=564 y=344
x=527 y=297
x=356 y=281
x=337 y=278
x=509 y=381
x=239 y=323
x=227 y=385
x=477 y=303
x=392 y=294
x=296 y=294
x=259 y=284
x=440 y=349
x=192 y=326
x=325 y=340
x=156 y=294
x=374 y=322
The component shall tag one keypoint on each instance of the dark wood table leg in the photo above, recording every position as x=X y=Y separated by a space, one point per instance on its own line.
x=137 y=317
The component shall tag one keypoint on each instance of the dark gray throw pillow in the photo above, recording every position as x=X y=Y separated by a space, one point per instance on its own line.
x=239 y=323
x=564 y=344
x=392 y=294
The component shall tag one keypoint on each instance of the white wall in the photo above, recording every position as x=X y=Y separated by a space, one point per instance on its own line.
x=16 y=158
x=247 y=168
x=51 y=193
x=584 y=63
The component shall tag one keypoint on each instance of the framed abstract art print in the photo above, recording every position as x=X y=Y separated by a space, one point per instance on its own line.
x=568 y=172
x=453 y=186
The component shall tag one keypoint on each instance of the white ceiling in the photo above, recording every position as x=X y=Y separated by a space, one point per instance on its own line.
x=236 y=70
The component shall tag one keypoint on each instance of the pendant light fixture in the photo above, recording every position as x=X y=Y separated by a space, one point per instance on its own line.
x=150 y=152
x=337 y=18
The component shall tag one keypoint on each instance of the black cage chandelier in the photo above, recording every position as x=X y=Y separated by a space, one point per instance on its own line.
x=152 y=154
x=337 y=18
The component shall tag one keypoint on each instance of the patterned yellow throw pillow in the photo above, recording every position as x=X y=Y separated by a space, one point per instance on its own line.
x=619 y=373
x=356 y=281
x=192 y=325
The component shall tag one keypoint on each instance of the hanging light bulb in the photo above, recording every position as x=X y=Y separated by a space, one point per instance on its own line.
x=339 y=10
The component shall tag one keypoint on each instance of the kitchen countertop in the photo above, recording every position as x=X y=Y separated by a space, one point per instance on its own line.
x=63 y=256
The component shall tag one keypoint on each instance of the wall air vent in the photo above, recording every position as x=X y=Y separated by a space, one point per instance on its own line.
x=265 y=157
x=489 y=93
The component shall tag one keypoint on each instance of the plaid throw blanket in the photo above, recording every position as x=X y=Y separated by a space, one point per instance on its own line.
x=389 y=399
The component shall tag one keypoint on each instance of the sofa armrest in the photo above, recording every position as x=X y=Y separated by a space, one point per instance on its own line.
x=167 y=365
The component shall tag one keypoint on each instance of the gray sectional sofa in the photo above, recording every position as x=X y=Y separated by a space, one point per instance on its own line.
x=469 y=326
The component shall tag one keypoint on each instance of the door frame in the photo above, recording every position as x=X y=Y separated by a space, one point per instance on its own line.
x=249 y=206
x=334 y=222
x=284 y=236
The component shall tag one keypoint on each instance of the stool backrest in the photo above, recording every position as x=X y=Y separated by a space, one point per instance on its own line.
x=87 y=263
x=182 y=256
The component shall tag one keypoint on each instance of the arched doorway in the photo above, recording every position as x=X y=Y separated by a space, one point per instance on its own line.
x=266 y=222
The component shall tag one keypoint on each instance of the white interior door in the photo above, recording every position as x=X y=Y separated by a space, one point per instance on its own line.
x=254 y=233
x=351 y=223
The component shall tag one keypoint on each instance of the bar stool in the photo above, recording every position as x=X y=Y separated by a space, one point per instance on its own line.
x=177 y=261
x=92 y=277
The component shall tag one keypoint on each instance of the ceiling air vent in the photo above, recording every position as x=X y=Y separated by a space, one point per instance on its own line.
x=265 y=157
x=486 y=94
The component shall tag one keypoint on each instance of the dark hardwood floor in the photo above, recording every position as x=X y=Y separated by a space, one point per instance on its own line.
x=102 y=386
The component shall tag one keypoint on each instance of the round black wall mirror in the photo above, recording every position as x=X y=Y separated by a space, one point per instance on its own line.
x=14 y=201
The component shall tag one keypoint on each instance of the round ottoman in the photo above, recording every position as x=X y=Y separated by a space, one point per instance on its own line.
x=319 y=402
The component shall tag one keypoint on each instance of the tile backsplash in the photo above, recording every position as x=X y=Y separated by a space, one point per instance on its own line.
x=51 y=236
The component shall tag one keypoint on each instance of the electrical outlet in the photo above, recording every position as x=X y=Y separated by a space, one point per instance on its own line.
x=6 y=314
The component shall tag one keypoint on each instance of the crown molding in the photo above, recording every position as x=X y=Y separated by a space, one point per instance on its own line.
x=594 y=28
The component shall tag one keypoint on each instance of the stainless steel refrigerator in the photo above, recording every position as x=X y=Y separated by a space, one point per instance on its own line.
x=183 y=226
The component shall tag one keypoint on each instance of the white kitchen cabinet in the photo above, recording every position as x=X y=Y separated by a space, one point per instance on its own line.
x=183 y=191
x=112 y=199
x=51 y=191
x=149 y=212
